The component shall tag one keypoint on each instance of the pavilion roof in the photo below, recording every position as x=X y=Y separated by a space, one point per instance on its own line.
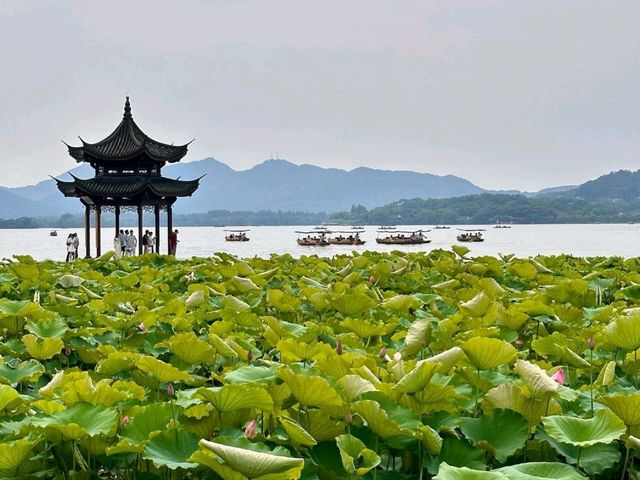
x=128 y=186
x=127 y=142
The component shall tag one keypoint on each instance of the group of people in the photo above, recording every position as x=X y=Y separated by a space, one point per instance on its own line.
x=125 y=243
x=73 y=242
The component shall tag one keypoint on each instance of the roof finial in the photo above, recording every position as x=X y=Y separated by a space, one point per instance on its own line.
x=127 y=108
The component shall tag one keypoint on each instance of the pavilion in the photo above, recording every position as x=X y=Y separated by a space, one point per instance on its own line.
x=128 y=177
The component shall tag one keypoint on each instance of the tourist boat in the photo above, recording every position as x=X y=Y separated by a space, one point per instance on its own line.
x=318 y=238
x=470 y=235
x=500 y=225
x=399 y=237
x=441 y=227
x=236 y=236
x=386 y=227
x=53 y=233
x=349 y=237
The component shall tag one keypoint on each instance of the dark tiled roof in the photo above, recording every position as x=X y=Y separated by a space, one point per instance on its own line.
x=127 y=186
x=126 y=142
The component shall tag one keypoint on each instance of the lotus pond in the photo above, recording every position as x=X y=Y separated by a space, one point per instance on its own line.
x=379 y=366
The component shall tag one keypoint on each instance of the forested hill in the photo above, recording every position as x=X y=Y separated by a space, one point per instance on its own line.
x=486 y=209
x=620 y=186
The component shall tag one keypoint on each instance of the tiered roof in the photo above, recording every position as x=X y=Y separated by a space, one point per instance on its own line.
x=128 y=186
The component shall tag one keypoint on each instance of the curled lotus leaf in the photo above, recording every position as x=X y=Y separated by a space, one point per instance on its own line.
x=68 y=281
x=540 y=384
x=310 y=391
x=604 y=427
x=356 y=458
x=296 y=432
x=486 y=353
x=448 y=359
x=477 y=306
x=418 y=378
x=221 y=346
x=188 y=347
x=627 y=407
x=354 y=385
x=417 y=336
x=624 y=331
x=162 y=371
x=378 y=419
x=431 y=440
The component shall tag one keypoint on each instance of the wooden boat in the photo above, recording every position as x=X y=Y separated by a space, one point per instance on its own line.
x=470 y=235
x=236 y=236
x=349 y=237
x=500 y=225
x=441 y=227
x=399 y=237
x=318 y=238
x=386 y=227
x=53 y=233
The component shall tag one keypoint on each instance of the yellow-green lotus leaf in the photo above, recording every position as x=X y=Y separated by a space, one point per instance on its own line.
x=44 y=348
x=9 y=398
x=292 y=350
x=417 y=337
x=377 y=419
x=364 y=329
x=447 y=472
x=190 y=348
x=624 y=331
x=117 y=362
x=68 y=281
x=540 y=385
x=243 y=285
x=418 y=378
x=448 y=359
x=431 y=441
x=234 y=304
x=354 y=385
x=221 y=346
x=604 y=427
x=198 y=411
x=296 y=433
x=477 y=306
x=12 y=455
x=48 y=406
x=486 y=353
x=627 y=407
x=511 y=397
x=607 y=375
x=236 y=396
x=195 y=299
x=356 y=458
x=162 y=371
x=312 y=391
x=250 y=464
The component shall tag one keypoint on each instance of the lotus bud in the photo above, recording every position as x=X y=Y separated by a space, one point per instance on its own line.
x=592 y=343
x=125 y=420
x=339 y=347
x=348 y=417
x=559 y=376
x=372 y=279
x=142 y=327
x=249 y=356
x=67 y=351
x=383 y=352
x=519 y=342
x=250 y=429
x=170 y=390
x=397 y=356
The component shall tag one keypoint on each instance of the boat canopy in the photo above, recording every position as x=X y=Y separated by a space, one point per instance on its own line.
x=413 y=232
x=237 y=230
x=471 y=229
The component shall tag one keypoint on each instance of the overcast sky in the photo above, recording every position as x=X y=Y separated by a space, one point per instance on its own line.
x=519 y=94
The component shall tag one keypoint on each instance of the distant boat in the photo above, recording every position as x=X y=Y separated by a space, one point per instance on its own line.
x=502 y=226
x=346 y=238
x=474 y=235
x=53 y=233
x=399 y=237
x=236 y=236
x=441 y=227
x=386 y=227
x=318 y=238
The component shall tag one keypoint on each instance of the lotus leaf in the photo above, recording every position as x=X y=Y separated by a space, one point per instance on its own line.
x=44 y=348
x=221 y=346
x=487 y=353
x=356 y=457
x=502 y=433
x=417 y=336
x=402 y=303
x=541 y=471
x=624 y=331
x=418 y=378
x=354 y=385
x=172 y=449
x=448 y=472
x=431 y=441
x=540 y=385
x=477 y=306
x=30 y=370
x=162 y=371
x=68 y=281
x=190 y=348
x=232 y=397
x=45 y=328
x=297 y=434
x=626 y=407
x=13 y=455
x=312 y=391
x=81 y=420
x=227 y=461
x=377 y=419
x=604 y=427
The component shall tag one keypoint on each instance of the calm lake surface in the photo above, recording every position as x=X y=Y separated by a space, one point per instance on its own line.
x=522 y=240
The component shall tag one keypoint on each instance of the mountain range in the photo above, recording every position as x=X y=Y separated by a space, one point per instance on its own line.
x=280 y=185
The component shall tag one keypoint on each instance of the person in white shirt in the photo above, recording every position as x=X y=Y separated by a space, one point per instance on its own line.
x=132 y=242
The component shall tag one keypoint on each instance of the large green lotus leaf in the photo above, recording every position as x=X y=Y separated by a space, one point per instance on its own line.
x=418 y=378
x=431 y=441
x=281 y=301
x=624 y=331
x=172 y=449
x=252 y=374
x=297 y=434
x=81 y=420
x=353 y=304
x=190 y=348
x=234 y=304
x=68 y=281
x=547 y=346
x=448 y=359
x=221 y=346
x=12 y=455
x=44 y=348
x=322 y=427
x=117 y=362
x=45 y=328
x=235 y=396
x=448 y=472
x=604 y=427
x=250 y=464
x=487 y=353
x=510 y=396
x=501 y=433
x=540 y=385
x=378 y=419
x=312 y=391
x=401 y=303
x=293 y=351
x=162 y=371
x=20 y=308
x=626 y=407
x=9 y=398
x=541 y=471
x=364 y=329
x=146 y=421
x=30 y=370
x=417 y=336
x=357 y=459
x=354 y=385
x=477 y=306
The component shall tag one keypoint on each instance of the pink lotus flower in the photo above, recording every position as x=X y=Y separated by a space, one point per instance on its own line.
x=592 y=343
x=170 y=390
x=559 y=376
x=250 y=429
x=142 y=327
x=125 y=420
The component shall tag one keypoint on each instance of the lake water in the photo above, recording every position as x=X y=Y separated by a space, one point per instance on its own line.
x=522 y=240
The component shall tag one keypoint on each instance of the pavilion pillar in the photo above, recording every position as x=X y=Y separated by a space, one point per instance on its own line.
x=139 y=228
x=169 y=227
x=98 y=249
x=87 y=231
x=156 y=211
x=117 y=220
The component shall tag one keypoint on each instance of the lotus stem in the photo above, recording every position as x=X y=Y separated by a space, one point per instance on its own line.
x=626 y=462
x=580 y=453
x=591 y=383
